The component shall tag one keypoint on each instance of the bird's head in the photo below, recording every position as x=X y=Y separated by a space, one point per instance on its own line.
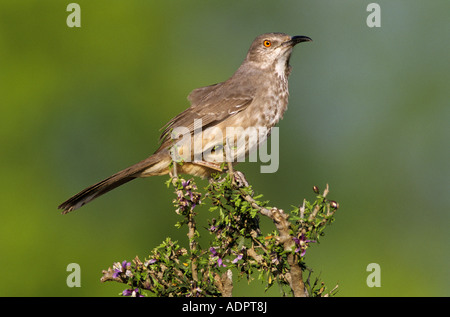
x=273 y=50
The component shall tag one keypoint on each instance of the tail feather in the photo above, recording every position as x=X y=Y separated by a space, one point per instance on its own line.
x=90 y=193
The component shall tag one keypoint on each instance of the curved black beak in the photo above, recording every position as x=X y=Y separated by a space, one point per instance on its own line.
x=297 y=39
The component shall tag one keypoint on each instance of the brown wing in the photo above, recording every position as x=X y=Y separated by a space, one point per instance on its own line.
x=212 y=104
x=198 y=95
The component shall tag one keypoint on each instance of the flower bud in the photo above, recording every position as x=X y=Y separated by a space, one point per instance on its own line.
x=334 y=204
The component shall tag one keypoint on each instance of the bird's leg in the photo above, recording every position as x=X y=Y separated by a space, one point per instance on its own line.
x=173 y=173
x=229 y=162
x=237 y=177
x=231 y=172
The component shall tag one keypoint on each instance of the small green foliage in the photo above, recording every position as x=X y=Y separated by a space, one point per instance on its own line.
x=236 y=243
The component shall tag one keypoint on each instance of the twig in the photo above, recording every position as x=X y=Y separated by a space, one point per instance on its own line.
x=224 y=283
x=192 y=245
x=280 y=218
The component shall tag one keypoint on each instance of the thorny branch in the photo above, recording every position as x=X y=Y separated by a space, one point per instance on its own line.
x=173 y=271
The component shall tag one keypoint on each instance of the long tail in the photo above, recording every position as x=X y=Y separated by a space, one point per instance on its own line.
x=116 y=180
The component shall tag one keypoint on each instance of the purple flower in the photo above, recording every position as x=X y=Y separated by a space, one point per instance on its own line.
x=213 y=251
x=215 y=254
x=274 y=258
x=239 y=257
x=220 y=263
x=119 y=268
x=212 y=228
x=127 y=292
x=302 y=244
x=132 y=293
x=151 y=261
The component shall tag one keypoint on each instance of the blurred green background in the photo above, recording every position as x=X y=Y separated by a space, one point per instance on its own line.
x=368 y=114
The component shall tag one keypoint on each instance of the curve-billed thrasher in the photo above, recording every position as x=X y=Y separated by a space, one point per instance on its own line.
x=255 y=96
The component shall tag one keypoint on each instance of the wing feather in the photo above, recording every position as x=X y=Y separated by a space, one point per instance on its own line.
x=212 y=104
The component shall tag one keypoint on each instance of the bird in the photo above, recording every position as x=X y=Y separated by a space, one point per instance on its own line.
x=195 y=141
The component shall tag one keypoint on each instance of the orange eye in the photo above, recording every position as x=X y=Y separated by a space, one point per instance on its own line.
x=267 y=43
